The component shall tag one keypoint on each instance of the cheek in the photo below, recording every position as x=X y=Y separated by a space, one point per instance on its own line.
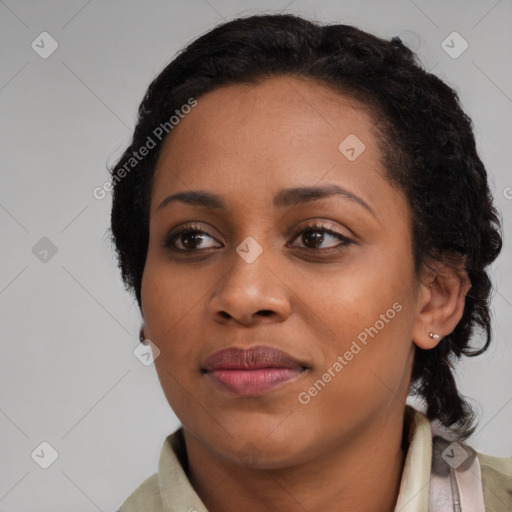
x=355 y=297
x=369 y=309
x=169 y=295
x=166 y=307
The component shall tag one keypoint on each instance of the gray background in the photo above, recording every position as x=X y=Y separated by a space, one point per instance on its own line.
x=68 y=373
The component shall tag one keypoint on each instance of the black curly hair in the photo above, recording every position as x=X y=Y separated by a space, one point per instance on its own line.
x=426 y=139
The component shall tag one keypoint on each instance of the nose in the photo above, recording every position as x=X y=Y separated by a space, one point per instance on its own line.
x=250 y=293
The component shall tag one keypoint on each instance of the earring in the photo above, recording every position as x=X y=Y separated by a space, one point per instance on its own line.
x=142 y=337
x=433 y=335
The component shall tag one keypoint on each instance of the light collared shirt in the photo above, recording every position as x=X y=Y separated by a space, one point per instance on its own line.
x=485 y=485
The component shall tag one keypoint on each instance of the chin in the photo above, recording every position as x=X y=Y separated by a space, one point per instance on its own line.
x=263 y=449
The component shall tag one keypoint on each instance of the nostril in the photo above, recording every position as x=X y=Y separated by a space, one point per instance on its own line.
x=265 y=312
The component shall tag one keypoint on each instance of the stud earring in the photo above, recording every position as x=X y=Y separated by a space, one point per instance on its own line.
x=433 y=335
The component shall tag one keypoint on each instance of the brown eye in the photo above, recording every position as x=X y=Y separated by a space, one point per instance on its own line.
x=314 y=236
x=189 y=237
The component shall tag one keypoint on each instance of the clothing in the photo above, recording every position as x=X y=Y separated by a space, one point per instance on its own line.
x=426 y=486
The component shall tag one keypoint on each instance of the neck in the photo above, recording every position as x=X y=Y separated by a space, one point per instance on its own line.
x=363 y=474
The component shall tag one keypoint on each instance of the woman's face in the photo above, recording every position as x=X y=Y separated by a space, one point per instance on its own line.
x=341 y=306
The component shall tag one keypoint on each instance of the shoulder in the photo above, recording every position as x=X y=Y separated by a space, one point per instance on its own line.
x=496 y=481
x=145 y=497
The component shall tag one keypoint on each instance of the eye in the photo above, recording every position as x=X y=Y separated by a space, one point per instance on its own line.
x=317 y=234
x=188 y=236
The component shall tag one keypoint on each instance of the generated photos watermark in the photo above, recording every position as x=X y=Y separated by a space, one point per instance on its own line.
x=304 y=397
x=137 y=156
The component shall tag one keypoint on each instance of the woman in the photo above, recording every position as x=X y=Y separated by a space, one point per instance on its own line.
x=306 y=225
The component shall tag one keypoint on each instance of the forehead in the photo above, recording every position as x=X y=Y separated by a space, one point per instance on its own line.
x=283 y=131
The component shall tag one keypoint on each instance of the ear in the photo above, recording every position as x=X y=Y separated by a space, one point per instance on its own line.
x=443 y=288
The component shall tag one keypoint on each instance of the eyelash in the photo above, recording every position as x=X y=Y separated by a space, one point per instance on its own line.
x=319 y=227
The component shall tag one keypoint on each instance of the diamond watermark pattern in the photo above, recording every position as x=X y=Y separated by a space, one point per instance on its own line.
x=44 y=250
x=44 y=455
x=44 y=45
x=454 y=455
x=454 y=45
x=351 y=147
x=249 y=454
x=249 y=249
x=146 y=352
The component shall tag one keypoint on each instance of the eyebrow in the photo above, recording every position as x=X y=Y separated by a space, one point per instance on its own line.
x=284 y=198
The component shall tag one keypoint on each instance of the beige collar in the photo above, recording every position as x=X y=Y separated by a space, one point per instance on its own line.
x=178 y=494
x=414 y=487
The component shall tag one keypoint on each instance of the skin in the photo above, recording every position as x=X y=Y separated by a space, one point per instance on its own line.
x=271 y=452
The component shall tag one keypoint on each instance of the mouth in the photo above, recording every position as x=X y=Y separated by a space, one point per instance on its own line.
x=253 y=371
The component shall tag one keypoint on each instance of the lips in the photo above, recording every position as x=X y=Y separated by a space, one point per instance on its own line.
x=251 y=371
x=253 y=358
